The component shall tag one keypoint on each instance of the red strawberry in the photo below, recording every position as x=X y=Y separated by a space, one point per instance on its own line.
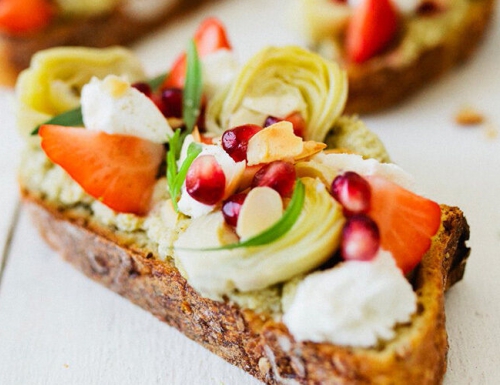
x=406 y=221
x=118 y=170
x=372 y=27
x=17 y=17
x=299 y=124
x=209 y=37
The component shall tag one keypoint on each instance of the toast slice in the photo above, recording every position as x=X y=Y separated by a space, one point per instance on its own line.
x=117 y=26
x=429 y=44
x=234 y=298
x=255 y=342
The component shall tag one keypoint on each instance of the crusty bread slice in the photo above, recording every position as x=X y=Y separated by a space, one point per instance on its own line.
x=388 y=78
x=256 y=343
x=115 y=28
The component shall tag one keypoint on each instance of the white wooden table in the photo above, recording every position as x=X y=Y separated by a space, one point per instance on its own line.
x=58 y=327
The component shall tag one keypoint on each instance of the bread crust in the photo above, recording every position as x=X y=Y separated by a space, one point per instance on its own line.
x=379 y=83
x=256 y=343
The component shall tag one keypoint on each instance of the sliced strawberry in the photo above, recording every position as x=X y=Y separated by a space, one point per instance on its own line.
x=299 y=124
x=118 y=170
x=372 y=26
x=406 y=221
x=209 y=37
x=21 y=16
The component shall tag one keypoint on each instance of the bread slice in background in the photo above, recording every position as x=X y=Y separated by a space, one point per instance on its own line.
x=110 y=29
x=394 y=75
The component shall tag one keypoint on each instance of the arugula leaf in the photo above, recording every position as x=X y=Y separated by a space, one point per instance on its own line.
x=274 y=232
x=175 y=178
x=193 y=88
x=70 y=118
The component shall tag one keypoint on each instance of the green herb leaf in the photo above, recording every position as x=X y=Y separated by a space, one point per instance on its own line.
x=193 y=88
x=156 y=82
x=175 y=178
x=71 y=118
x=277 y=230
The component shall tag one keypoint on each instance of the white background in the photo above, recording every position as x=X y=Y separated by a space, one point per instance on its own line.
x=58 y=327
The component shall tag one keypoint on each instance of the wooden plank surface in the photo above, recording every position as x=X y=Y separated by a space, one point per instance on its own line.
x=57 y=327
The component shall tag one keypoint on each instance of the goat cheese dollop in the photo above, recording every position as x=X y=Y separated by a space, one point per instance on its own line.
x=355 y=304
x=112 y=105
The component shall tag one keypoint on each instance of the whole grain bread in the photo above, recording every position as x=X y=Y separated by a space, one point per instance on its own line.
x=255 y=342
x=384 y=81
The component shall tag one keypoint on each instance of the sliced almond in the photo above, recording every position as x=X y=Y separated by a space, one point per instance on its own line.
x=310 y=148
x=339 y=151
x=274 y=143
x=262 y=208
x=196 y=134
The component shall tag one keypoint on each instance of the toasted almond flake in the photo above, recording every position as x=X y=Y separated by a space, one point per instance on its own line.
x=339 y=151
x=274 y=142
x=310 y=148
x=262 y=208
x=196 y=134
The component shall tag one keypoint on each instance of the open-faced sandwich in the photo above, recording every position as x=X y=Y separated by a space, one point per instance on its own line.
x=30 y=26
x=391 y=48
x=238 y=204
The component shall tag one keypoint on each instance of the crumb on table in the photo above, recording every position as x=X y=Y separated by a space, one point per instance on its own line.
x=468 y=116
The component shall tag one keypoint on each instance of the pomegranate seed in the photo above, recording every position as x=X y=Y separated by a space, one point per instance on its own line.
x=270 y=120
x=205 y=180
x=171 y=103
x=145 y=88
x=279 y=175
x=231 y=208
x=360 y=238
x=235 y=140
x=353 y=192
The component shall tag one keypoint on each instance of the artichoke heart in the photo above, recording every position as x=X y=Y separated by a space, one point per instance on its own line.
x=280 y=81
x=310 y=242
x=52 y=83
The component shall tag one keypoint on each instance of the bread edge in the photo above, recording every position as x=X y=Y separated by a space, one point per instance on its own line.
x=257 y=344
x=378 y=84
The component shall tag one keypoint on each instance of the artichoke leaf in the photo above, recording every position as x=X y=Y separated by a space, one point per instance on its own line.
x=53 y=82
x=278 y=81
x=312 y=240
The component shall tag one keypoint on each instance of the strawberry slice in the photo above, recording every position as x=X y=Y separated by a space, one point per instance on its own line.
x=372 y=26
x=406 y=221
x=209 y=37
x=118 y=170
x=21 y=16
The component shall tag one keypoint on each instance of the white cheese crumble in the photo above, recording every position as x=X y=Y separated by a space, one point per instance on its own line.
x=340 y=163
x=355 y=304
x=111 y=105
